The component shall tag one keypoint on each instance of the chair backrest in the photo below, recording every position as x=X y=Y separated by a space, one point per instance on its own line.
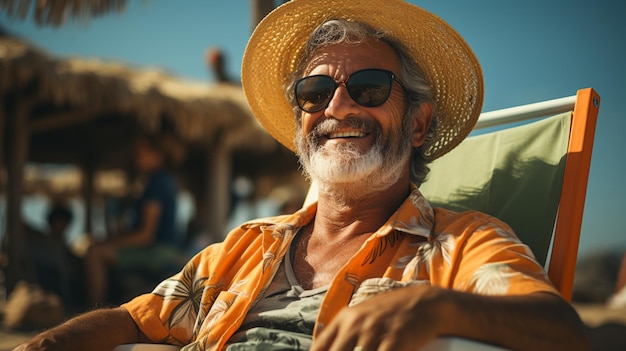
x=532 y=176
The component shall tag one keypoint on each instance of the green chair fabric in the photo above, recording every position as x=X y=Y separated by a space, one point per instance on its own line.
x=514 y=174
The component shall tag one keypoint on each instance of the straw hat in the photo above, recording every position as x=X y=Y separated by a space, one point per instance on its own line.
x=450 y=66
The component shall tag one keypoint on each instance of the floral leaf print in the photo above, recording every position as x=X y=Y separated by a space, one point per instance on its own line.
x=412 y=268
x=352 y=279
x=217 y=311
x=508 y=237
x=177 y=288
x=421 y=224
x=492 y=279
x=375 y=286
x=382 y=244
x=503 y=233
x=199 y=345
x=282 y=230
x=185 y=294
x=235 y=288
x=268 y=258
x=441 y=244
x=221 y=305
x=403 y=261
x=283 y=233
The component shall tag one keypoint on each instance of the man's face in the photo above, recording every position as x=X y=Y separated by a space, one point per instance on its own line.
x=346 y=142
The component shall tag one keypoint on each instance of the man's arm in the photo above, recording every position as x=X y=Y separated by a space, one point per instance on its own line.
x=408 y=318
x=96 y=330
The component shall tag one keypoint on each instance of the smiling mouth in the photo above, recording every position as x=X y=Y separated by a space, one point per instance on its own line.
x=351 y=134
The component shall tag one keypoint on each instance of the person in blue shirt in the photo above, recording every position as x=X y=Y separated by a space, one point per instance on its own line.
x=153 y=241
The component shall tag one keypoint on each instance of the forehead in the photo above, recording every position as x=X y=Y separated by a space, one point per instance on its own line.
x=343 y=59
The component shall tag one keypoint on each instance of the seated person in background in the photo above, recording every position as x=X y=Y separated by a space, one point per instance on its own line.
x=154 y=240
x=374 y=91
x=54 y=263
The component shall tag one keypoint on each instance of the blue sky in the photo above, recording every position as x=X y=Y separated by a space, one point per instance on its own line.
x=530 y=51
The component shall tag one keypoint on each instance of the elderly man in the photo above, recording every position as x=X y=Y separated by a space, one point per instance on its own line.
x=378 y=89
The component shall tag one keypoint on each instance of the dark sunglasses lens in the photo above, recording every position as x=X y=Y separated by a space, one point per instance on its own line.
x=313 y=93
x=370 y=88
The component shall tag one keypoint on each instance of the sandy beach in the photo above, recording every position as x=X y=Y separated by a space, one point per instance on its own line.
x=10 y=339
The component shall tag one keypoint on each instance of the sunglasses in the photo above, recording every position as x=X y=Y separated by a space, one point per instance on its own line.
x=368 y=87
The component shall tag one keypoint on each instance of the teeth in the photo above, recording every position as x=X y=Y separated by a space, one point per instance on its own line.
x=351 y=134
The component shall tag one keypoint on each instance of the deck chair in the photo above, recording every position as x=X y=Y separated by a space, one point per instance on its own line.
x=532 y=176
x=538 y=168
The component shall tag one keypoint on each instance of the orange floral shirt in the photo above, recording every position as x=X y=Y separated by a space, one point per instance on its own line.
x=204 y=304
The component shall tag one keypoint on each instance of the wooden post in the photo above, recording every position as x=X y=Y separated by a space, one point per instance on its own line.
x=3 y=291
x=18 y=266
x=88 y=171
x=2 y=139
x=218 y=190
x=258 y=10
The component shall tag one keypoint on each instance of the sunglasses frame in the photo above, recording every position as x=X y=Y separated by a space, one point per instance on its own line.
x=346 y=82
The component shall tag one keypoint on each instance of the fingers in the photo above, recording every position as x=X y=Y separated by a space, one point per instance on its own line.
x=398 y=320
x=330 y=339
x=352 y=329
x=368 y=341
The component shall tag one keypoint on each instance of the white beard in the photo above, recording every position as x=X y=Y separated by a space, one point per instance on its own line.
x=345 y=172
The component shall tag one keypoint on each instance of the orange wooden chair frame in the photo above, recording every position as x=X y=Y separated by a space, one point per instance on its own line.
x=562 y=264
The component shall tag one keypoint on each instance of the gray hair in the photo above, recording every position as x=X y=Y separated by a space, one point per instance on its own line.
x=418 y=90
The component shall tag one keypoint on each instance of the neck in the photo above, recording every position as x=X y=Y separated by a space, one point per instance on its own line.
x=340 y=228
x=344 y=216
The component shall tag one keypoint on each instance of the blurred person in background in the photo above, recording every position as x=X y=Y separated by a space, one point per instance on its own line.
x=153 y=244
x=55 y=265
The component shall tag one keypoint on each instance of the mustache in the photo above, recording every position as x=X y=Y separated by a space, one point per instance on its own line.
x=331 y=125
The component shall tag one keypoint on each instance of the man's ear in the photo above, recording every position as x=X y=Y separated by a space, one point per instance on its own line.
x=421 y=123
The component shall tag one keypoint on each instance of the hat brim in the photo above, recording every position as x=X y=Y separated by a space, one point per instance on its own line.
x=449 y=64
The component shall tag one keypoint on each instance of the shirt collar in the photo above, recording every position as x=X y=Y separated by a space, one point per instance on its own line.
x=414 y=216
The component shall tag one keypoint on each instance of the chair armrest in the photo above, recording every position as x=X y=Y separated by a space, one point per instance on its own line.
x=459 y=344
x=146 y=347
x=440 y=344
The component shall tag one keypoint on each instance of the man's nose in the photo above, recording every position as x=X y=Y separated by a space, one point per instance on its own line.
x=341 y=105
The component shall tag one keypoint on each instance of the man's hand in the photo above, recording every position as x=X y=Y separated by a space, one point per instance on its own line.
x=403 y=319
x=408 y=318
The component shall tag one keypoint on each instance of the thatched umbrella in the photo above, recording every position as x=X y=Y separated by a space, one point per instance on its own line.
x=109 y=86
x=86 y=112
x=57 y=12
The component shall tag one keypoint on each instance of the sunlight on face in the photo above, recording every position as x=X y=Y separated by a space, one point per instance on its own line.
x=348 y=149
x=345 y=167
